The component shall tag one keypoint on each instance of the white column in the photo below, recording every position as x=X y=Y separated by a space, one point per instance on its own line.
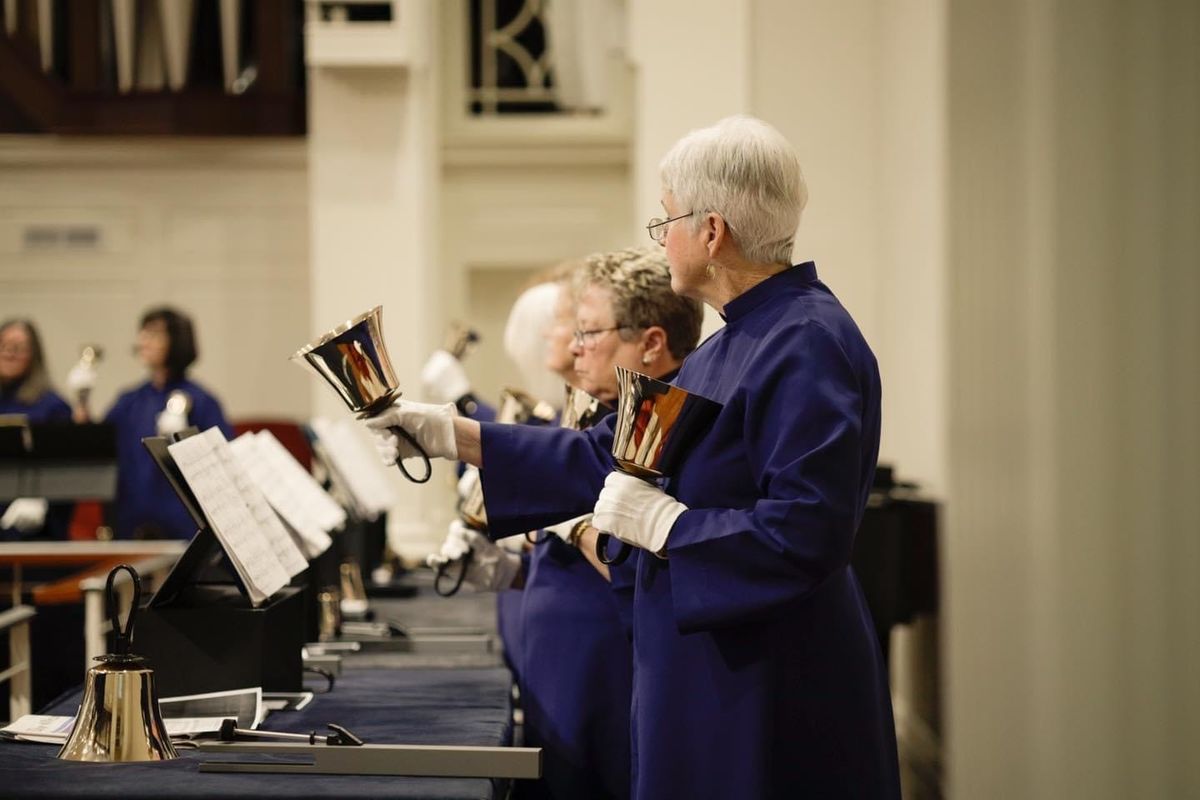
x=373 y=166
x=1073 y=642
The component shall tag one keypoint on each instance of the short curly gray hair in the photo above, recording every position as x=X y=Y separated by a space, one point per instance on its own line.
x=746 y=171
x=638 y=280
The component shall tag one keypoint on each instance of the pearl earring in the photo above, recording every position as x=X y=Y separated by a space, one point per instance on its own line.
x=710 y=270
x=645 y=358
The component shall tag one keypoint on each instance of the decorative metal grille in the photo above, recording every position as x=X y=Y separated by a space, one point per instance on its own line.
x=511 y=64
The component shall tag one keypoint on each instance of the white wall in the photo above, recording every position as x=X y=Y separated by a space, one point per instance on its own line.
x=217 y=227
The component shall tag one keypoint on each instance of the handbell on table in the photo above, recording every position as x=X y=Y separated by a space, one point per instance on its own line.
x=119 y=719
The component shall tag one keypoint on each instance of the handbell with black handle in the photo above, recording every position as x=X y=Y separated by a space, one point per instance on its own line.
x=657 y=423
x=353 y=360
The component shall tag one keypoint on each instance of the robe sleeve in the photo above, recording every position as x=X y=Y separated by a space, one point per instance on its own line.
x=802 y=433
x=206 y=412
x=535 y=476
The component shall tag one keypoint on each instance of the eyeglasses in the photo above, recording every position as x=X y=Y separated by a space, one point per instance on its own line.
x=587 y=339
x=658 y=227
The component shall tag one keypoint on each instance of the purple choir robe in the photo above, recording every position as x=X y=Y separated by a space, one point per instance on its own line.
x=577 y=672
x=49 y=407
x=756 y=668
x=146 y=505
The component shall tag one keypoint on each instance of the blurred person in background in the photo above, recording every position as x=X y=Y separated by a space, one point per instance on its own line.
x=25 y=392
x=166 y=403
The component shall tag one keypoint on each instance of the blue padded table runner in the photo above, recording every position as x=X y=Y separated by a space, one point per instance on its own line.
x=381 y=706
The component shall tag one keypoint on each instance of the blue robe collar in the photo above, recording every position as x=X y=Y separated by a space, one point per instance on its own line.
x=755 y=296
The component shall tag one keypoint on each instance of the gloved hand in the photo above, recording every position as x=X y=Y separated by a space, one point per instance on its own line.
x=25 y=514
x=81 y=378
x=467 y=482
x=444 y=378
x=563 y=529
x=431 y=425
x=491 y=568
x=636 y=512
x=170 y=421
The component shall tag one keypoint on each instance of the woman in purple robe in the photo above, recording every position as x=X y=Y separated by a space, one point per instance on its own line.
x=756 y=668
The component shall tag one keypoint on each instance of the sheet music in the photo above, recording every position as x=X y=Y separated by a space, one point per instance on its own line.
x=231 y=519
x=316 y=503
x=357 y=463
x=274 y=476
x=286 y=549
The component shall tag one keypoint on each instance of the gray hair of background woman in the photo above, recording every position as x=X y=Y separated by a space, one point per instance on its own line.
x=638 y=281
x=746 y=171
x=36 y=380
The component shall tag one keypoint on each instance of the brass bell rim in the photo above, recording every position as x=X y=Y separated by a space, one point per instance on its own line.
x=335 y=333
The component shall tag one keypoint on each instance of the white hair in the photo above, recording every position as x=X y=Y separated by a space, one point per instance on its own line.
x=744 y=170
x=525 y=340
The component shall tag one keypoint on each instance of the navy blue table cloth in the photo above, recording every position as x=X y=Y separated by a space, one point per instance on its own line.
x=382 y=706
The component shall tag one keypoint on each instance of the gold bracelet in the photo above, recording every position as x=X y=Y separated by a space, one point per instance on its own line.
x=577 y=530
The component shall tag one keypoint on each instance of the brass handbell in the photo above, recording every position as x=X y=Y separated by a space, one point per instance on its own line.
x=353 y=360
x=581 y=410
x=119 y=720
x=656 y=424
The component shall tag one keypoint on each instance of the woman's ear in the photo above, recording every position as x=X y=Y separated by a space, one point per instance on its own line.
x=715 y=233
x=654 y=344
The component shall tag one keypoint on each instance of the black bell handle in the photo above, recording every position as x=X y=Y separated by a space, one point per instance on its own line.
x=400 y=432
x=443 y=570
x=623 y=551
x=124 y=635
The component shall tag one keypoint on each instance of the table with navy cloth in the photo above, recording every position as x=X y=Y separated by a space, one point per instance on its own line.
x=384 y=699
x=382 y=706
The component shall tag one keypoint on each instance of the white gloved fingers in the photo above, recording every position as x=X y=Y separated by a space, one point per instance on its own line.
x=636 y=512
x=444 y=378
x=25 y=514
x=431 y=426
x=387 y=445
x=467 y=482
x=169 y=422
x=81 y=378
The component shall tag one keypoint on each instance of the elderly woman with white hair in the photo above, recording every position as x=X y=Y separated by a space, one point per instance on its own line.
x=756 y=668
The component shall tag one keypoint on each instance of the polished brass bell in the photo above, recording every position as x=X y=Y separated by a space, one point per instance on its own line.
x=520 y=408
x=580 y=410
x=656 y=424
x=354 y=603
x=119 y=719
x=353 y=360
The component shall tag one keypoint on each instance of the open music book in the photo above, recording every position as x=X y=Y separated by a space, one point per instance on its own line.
x=294 y=494
x=259 y=547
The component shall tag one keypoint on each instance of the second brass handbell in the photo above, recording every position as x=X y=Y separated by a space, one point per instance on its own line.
x=119 y=719
x=656 y=425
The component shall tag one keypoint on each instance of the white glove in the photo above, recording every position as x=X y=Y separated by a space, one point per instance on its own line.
x=81 y=378
x=636 y=512
x=25 y=514
x=467 y=482
x=444 y=378
x=563 y=529
x=169 y=422
x=431 y=425
x=491 y=568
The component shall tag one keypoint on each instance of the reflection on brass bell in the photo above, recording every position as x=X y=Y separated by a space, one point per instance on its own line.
x=354 y=594
x=329 y=615
x=119 y=718
x=520 y=408
x=656 y=424
x=353 y=360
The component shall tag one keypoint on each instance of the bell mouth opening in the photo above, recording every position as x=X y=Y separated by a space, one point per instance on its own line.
x=336 y=332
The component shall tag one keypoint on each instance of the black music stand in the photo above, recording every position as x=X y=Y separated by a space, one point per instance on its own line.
x=200 y=630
